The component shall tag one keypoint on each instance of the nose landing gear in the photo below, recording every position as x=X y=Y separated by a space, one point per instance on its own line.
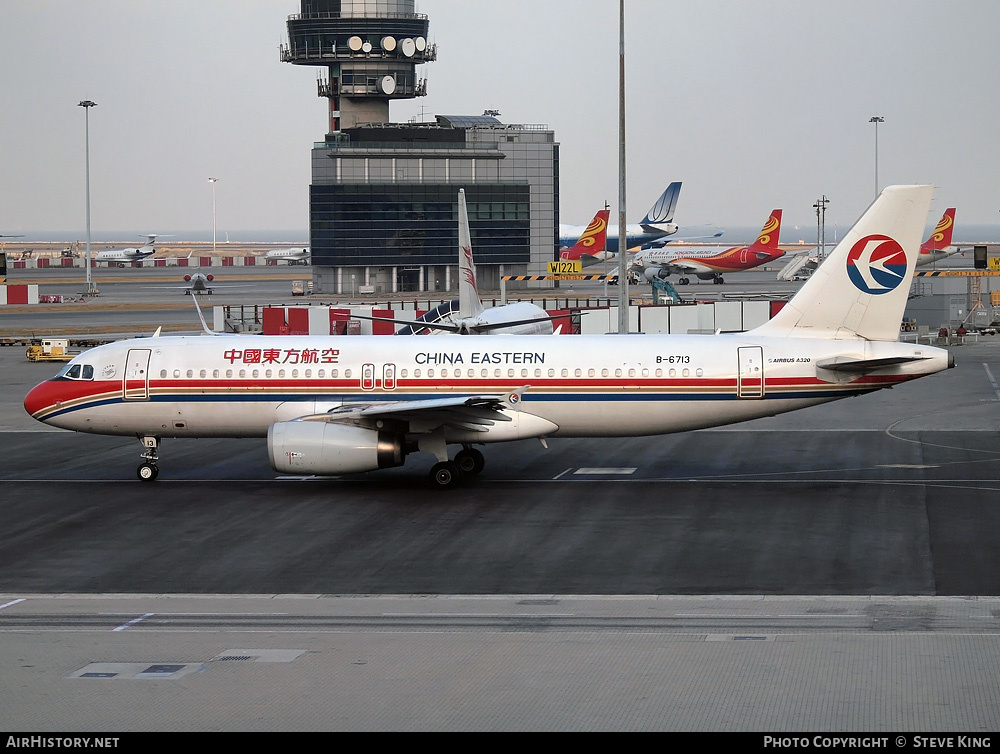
x=148 y=470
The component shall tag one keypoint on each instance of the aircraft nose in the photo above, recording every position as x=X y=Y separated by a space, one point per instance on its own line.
x=39 y=398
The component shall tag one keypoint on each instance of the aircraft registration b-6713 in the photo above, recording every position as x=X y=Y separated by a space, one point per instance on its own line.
x=333 y=405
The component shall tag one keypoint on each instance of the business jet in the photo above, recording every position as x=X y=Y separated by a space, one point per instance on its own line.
x=710 y=262
x=468 y=315
x=121 y=257
x=300 y=255
x=330 y=405
x=657 y=223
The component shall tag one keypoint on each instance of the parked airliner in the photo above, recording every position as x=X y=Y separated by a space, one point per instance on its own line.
x=710 y=262
x=938 y=244
x=334 y=405
x=657 y=223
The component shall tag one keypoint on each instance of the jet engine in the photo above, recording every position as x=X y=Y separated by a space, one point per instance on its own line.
x=317 y=447
x=654 y=273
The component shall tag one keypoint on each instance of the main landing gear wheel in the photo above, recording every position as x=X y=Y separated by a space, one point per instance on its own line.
x=446 y=475
x=470 y=461
x=147 y=472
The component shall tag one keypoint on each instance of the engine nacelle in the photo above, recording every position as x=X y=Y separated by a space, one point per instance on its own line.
x=308 y=447
x=655 y=273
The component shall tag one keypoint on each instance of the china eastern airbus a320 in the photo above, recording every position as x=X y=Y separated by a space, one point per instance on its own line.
x=330 y=405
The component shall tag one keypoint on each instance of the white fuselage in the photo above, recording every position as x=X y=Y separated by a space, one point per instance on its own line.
x=585 y=386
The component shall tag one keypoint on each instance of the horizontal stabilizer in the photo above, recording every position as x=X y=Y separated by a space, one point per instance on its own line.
x=863 y=366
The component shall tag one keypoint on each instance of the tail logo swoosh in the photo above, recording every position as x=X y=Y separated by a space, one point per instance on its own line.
x=876 y=264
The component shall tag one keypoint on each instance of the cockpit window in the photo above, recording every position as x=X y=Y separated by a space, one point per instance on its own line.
x=79 y=372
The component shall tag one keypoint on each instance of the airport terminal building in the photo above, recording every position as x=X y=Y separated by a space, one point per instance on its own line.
x=384 y=196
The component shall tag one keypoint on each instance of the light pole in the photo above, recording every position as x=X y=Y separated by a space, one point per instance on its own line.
x=623 y=296
x=86 y=105
x=213 y=181
x=820 y=207
x=876 y=119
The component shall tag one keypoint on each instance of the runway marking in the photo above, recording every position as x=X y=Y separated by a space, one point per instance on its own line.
x=619 y=470
x=12 y=602
x=133 y=622
x=559 y=476
x=993 y=382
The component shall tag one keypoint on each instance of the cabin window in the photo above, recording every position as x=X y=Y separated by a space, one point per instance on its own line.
x=281 y=374
x=203 y=374
x=564 y=373
x=347 y=374
x=673 y=372
x=215 y=373
x=308 y=373
x=578 y=373
x=190 y=373
x=267 y=374
x=416 y=373
x=538 y=373
x=552 y=373
x=177 y=374
x=496 y=373
x=472 y=373
x=430 y=372
x=659 y=372
x=700 y=372
x=163 y=374
x=243 y=374
x=444 y=372
x=604 y=373
x=686 y=373
x=645 y=372
x=334 y=373
x=255 y=373
x=618 y=373
x=510 y=372
x=403 y=373
x=295 y=374
x=321 y=373
x=591 y=372
x=631 y=373
x=229 y=374
x=484 y=373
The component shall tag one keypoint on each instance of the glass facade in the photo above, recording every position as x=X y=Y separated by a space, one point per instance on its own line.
x=373 y=224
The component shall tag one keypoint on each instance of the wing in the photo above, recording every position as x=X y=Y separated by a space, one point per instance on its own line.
x=685 y=265
x=476 y=413
x=659 y=243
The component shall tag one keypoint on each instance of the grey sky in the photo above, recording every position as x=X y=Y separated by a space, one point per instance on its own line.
x=753 y=104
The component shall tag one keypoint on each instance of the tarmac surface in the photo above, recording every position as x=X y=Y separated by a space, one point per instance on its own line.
x=833 y=569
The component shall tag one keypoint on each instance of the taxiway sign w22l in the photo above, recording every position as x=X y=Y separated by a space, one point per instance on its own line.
x=333 y=405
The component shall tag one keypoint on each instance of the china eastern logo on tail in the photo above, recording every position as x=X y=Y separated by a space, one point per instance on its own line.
x=876 y=264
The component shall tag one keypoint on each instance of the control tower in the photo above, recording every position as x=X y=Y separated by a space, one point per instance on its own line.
x=370 y=52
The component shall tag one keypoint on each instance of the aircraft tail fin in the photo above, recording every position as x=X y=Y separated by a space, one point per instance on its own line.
x=769 y=234
x=862 y=287
x=940 y=239
x=663 y=210
x=470 y=305
x=593 y=240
